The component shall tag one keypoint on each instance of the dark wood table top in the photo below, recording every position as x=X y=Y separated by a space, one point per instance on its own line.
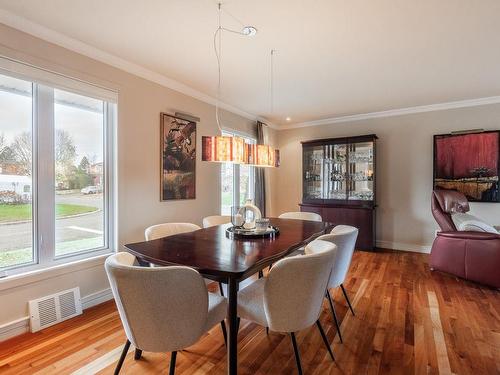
x=218 y=257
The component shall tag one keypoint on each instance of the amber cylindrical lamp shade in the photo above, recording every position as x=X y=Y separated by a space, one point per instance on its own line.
x=251 y=152
x=226 y=149
x=262 y=156
x=238 y=150
x=223 y=149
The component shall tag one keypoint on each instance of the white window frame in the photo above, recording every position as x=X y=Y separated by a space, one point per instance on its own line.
x=44 y=83
x=236 y=172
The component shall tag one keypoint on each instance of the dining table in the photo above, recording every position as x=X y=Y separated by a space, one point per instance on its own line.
x=219 y=257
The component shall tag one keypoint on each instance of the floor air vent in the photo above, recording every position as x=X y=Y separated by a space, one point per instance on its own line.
x=49 y=310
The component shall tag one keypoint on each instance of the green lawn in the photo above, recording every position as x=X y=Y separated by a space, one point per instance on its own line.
x=20 y=256
x=63 y=210
x=21 y=212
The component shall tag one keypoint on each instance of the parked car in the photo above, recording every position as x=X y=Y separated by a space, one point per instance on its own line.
x=91 y=190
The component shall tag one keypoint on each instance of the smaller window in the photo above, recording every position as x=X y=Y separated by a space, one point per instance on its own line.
x=237 y=181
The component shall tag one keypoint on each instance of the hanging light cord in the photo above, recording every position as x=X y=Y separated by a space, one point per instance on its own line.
x=271 y=84
x=218 y=53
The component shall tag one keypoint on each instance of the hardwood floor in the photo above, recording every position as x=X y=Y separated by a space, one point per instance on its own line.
x=408 y=321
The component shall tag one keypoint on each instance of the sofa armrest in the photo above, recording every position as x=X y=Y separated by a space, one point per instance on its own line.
x=469 y=235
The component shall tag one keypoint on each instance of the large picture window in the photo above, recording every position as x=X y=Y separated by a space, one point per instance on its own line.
x=55 y=148
x=237 y=181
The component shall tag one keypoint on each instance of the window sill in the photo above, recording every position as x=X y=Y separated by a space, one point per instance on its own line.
x=31 y=277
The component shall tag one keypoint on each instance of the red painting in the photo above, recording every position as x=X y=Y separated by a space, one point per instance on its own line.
x=468 y=163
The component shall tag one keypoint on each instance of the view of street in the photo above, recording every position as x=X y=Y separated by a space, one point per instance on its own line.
x=77 y=156
x=73 y=233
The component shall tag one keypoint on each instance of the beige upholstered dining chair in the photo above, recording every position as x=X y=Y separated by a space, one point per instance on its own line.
x=301 y=216
x=168 y=229
x=211 y=221
x=289 y=299
x=298 y=215
x=162 y=309
x=344 y=237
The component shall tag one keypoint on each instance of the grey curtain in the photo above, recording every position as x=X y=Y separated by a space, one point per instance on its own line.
x=260 y=184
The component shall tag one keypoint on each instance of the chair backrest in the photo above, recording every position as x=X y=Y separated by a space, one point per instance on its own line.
x=168 y=229
x=295 y=288
x=444 y=203
x=344 y=237
x=211 y=221
x=311 y=216
x=162 y=308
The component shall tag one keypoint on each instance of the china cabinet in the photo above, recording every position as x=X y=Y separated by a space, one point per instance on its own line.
x=338 y=182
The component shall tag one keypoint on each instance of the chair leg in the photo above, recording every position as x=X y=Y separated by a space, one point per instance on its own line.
x=220 y=289
x=347 y=298
x=332 y=307
x=173 y=357
x=138 y=354
x=261 y=274
x=267 y=330
x=224 y=331
x=325 y=339
x=122 y=357
x=296 y=351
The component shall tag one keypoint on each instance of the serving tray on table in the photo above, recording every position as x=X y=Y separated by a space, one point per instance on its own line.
x=242 y=233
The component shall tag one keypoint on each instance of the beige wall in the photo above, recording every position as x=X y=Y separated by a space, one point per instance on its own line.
x=140 y=103
x=404 y=169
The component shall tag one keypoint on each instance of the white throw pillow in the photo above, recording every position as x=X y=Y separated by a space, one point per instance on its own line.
x=467 y=222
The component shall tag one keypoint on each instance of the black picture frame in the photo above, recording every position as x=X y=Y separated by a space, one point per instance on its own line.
x=177 y=158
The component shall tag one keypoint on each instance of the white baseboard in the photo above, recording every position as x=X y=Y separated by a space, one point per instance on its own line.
x=404 y=246
x=15 y=328
x=22 y=325
x=97 y=298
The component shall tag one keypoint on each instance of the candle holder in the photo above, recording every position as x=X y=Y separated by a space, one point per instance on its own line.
x=244 y=224
x=238 y=216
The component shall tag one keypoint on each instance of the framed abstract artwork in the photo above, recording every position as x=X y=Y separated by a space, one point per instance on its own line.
x=178 y=158
x=468 y=163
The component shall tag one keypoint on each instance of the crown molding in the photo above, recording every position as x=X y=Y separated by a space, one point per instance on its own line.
x=397 y=112
x=12 y=20
x=52 y=36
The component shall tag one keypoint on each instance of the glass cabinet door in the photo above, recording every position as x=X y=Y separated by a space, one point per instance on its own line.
x=313 y=171
x=336 y=171
x=361 y=171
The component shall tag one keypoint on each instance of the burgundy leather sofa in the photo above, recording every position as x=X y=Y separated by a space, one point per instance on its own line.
x=473 y=256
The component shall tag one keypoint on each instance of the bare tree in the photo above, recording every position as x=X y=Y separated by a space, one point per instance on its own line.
x=65 y=148
x=65 y=151
x=22 y=149
x=3 y=143
x=4 y=148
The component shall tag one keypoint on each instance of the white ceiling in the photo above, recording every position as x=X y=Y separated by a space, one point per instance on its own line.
x=334 y=58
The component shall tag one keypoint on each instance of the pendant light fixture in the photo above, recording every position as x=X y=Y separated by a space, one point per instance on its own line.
x=262 y=155
x=231 y=149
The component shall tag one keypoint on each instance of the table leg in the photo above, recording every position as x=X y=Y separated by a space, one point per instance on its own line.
x=232 y=317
